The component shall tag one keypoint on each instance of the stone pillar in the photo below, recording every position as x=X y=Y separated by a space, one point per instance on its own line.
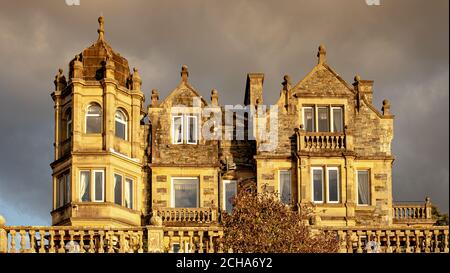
x=3 y=236
x=155 y=235
x=428 y=208
x=350 y=201
x=57 y=98
x=109 y=101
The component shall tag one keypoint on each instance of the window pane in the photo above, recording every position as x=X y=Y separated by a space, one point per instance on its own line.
x=60 y=196
x=177 y=130
x=120 y=130
x=337 y=120
x=322 y=113
x=85 y=178
x=93 y=124
x=94 y=110
x=118 y=189
x=69 y=128
x=230 y=191
x=363 y=187
x=285 y=186
x=67 y=189
x=333 y=186
x=185 y=193
x=98 y=186
x=318 y=185
x=192 y=129
x=309 y=119
x=129 y=193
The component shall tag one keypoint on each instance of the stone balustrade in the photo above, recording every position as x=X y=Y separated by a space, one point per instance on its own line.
x=73 y=239
x=321 y=141
x=391 y=239
x=410 y=213
x=60 y=239
x=186 y=215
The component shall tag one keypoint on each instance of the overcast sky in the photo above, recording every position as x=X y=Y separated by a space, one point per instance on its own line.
x=402 y=45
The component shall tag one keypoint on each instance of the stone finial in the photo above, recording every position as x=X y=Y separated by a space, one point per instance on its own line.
x=386 y=109
x=214 y=97
x=322 y=54
x=184 y=73
x=136 y=80
x=357 y=78
x=101 y=28
x=60 y=81
x=156 y=220
x=77 y=67
x=427 y=201
x=2 y=221
x=155 y=98
x=286 y=83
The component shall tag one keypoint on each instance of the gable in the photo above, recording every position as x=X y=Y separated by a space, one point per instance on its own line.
x=183 y=94
x=322 y=81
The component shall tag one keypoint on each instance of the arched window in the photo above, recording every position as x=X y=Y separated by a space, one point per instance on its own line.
x=94 y=119
x=68 y=117
x=121 y=124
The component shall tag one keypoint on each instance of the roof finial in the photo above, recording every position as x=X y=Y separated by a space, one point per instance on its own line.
x=322 y=54
x=184 y=73
x=101 y=28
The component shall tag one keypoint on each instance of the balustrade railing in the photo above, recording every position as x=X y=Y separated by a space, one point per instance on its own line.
x=411 y=213
x=58 y=239
x=197 y=215
x=320 y=141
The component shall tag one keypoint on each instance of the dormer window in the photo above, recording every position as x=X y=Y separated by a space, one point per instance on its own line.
x=184 y=129
x=323 y=118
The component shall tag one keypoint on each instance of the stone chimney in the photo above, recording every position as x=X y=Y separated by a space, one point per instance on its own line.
x=254 y=89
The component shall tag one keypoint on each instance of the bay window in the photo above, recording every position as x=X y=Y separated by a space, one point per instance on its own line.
x=63 y=191
x=123 y=191
x=94 y=119
x=325 y=182
x=317 y=184
x=92 y=186
x=121 y=124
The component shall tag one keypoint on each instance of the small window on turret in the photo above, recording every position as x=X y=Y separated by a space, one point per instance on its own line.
x=94 y=119
x=121 y=124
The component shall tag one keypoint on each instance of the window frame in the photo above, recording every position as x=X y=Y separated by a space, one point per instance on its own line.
x=121 y=189
x=100 y=115
x=187 y=127
x=172 y=193
x=123 y=122
x=313 y=115
x=289 y=171
x=369 y=201
x=328 y=118
x=312 y=184
x=174 y=141
x=332 y=117
x=328 y=185
x=131 y=181
x=88 y=188
x=224 y=192
x=69 y=122
x=93 y=193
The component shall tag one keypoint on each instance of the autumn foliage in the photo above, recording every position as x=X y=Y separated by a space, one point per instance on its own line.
x=260 y=223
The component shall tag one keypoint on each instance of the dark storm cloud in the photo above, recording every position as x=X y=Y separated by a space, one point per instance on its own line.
x=402 y=45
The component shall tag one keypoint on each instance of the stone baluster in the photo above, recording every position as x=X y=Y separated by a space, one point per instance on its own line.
x=397 y=241
x=211 y=243
x=170 y=233
x=407 y=243
x=91 y=241
x=200 y=245
x=42 y=242
x=22 y=241
x=121 y=241
x=32 y=241
x=191 y=241
x=388 y=242
x=141 y=241
x=181 y=240
x=349 y=241
x=417 y=248
x=358 y=234
x=61 y=248
x=427 y=241
x=436 y=241
x=81 y=235
x=51 y=243
x=101 y=243
x=12 y=234
x=110 y=241
x=378 y=234
x=446 y=241
x=342 y=241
